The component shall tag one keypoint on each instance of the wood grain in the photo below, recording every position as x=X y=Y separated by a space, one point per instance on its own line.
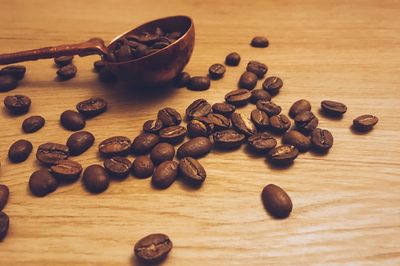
x=346 y=204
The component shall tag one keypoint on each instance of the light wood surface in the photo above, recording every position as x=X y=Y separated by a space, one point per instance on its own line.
x=346 y=204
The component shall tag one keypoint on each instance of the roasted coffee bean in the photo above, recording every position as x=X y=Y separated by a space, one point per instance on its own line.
x=333 y=108
x=115 y=146
x=272 y=85
x=321 y=140
x=106 y=75
x=259 y=42
x=42 y=183
x=260 y=119
x=225 y=109
x=33 y=124
x=228 y=139
x=297 y=139
x=50 y=153
x=7 y=83
x=160 y=45
x=72 y=120
x=365 y=122
x=232 y=59
x=99 y=65
x=220 y=122
x=259 y=94
x=144 y=143
x=258 y=68
x=262 y=142
x=4 y=194
x=66 y=170
x=299 y=107
x=142 y=167
x=279 y=123
x=124 y=53
x=192 y=171
x=165 y=174
x=216 y=71
x=248 y=80
x=162 y=152
x=118 y=167
x=17 y=71
x=196 y=148
x=306 y=121
x=63 y=60
x=19 y=151
x=96 y=179
x=169 y=117
x=17 y=104
x=283 y=154
x=92 y=107
x=174 y=134
x=276 y=201
x=182 y=79
x=243 y=124
x=4 y=224
x=67 y=72
x=153 y=248
x=198 y=108
x=80 y=142
x=199 y=83
x=152 y=126
x=200 y=127
x=269 y=107
x=238 y=97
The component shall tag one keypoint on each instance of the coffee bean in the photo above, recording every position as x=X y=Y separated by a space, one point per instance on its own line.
x=258 y=68
x=115 y=146
x=182 y=79
x=106 y=75
x=162 y=152
x=124 y=53
x=19 y=151
x=200 y=127
x=95 y=179
x=279 y=123
x=72 y=120
x=99 y=65
x=272 y=85
x=192 y=171
x=66 y=170
x=17 y=104
x=196 y=148
x=248 y=80
x=198 y=108
x=216 y=71
x=50 y=153
x=153 y=248
x=17 y=71
x=92 y=107
x=260 y=119
x=63 y=60
x=228 y=139
x=259 y=94
x=306 y=121
x=169 y=117
x=67 y=72
x=80 y=142
x=199 y=83
x=238 y=97
x=333 y=108
x=259 y=42
x=321 y=139
x=262 y=142
x=269 y=107
x=365 y=122
x=118 y=167
x=225 y=109
x=297 y=139
x=4 y=224
x=232 y=59
x=220 y=122
x=299 y=107
x=4 y=194
x=143 y=167
x=276 y=201
x=7 y=83
x=33 y=124
x=243 y=124
x=283 y=154
x=165 y=174
x=42 y=183
x=144 y=143
x=174 y=134
x=152 y=126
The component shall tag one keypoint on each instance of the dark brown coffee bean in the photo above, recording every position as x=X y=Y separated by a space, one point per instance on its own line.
x=33 y=124
x=259 y=42
x=243 y=124
x=115 y=146
x=144 y=143
x=238 y=97
x=220 y=122
x=160 y=45
x=321 y=139
x=216 y=71
x=17 y=104
x=20 y=150
x=80 y=142
x=225 y=109
x=72 y=120
x=50 y=153
x=153 y=248
x=7 y=83
x=99 y=65
x=124 y=53
x=106 y=75
x=306 y=121
x=248 y=80
x=232 y=59
x=152 y=126
x=96 y=179
x=199 y=83
x=200 y=127
x=4 y=194
x=196 y=148
x=162 y=152
x=67 y=72
x=333 y=108
x=63 y=60
x=192 y=171
x=279 y=123
x=297 y=139
x=269 y=107
x=118 y=167
x=365 y=122
x=169 y=117
x=262 y=142
x=66 y=170
x=42 y=183
x=198 y=108
x=165 y=174
x=4 y=225
x=174 y=134
x=182 y=79
x=228 y=139
x=272 y=85
x=284 y=154
x=92 y=107
x=299 y=107
x=142 y=167
x=276 y=201
x=17 y=71
x=257 y=68
x=259 y=94
x=260 y=119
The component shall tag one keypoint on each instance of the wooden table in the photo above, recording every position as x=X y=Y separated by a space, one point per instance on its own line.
x=346 y=204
